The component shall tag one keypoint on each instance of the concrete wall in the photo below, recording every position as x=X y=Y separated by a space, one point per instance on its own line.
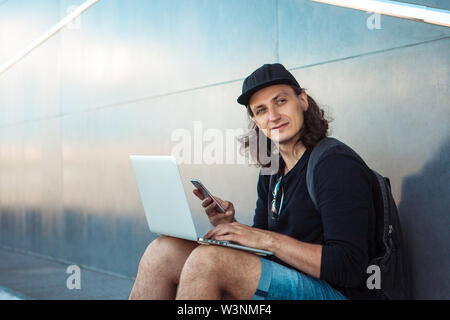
x=128 y=74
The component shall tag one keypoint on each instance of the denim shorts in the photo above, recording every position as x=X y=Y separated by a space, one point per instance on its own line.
x=278 y=282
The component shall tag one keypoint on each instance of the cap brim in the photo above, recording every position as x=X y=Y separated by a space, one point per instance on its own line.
x=245 y=97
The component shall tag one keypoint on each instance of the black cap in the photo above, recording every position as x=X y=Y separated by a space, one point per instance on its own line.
x=267 y=75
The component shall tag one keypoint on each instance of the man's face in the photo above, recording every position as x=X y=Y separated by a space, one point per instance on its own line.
x=278 y=112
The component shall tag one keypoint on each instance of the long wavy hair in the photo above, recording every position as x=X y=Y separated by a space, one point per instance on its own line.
x=315 y=128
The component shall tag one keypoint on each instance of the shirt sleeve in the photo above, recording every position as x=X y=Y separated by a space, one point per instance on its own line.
x=260 y=217
x=344 y=198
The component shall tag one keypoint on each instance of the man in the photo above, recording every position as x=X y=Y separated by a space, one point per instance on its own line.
x=318 y=254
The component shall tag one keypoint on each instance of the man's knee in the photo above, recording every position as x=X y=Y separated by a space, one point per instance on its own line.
x=165 y=250
x=204 y=260
x=219 y=262
x=234 y=271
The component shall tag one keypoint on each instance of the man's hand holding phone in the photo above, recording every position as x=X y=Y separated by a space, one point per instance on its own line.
x=215 y=216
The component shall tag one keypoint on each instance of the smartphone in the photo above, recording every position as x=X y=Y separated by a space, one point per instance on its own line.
x=206 y=193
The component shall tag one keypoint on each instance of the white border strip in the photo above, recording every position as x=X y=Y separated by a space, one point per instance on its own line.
x=397 y=9
x=36 y=43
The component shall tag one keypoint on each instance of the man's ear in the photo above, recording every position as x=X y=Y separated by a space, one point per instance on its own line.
x=304 y=98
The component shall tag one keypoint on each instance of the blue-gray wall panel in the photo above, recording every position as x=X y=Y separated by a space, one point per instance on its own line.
x=311 y=33
x=31 y=89
x=22 y=21
x=126 y=50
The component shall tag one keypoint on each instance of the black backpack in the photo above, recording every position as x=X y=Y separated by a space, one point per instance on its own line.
x=390 y=253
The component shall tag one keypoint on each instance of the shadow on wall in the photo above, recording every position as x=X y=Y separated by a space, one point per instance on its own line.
x=424 y=213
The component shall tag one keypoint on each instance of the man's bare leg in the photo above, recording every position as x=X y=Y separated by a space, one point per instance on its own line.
x=160 y=268
x=213 y=272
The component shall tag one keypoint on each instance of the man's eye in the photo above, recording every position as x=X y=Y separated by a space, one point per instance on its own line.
x=259 y=111
x=282 y=101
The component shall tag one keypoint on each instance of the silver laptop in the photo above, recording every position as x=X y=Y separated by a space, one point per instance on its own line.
x=165 y=203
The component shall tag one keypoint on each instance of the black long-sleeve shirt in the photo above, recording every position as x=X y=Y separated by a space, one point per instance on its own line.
x=344 y=222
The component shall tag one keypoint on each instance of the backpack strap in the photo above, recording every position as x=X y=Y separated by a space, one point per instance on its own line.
x=320 y=148
x=384 y=187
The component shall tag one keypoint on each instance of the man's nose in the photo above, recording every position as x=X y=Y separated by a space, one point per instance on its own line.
x=273 y=114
